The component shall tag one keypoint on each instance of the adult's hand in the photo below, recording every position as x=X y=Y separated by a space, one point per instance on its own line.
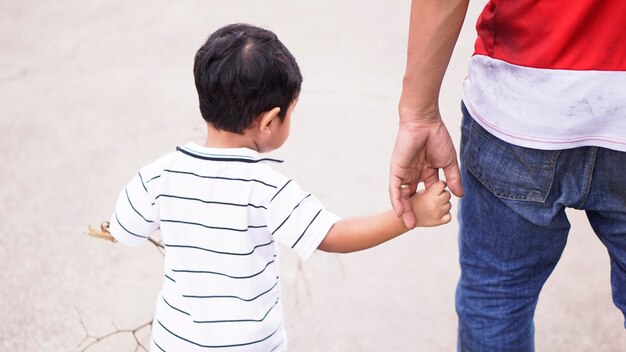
x=423 y=146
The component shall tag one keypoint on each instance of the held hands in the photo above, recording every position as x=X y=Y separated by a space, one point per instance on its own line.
x=422 y=148
x=431 y=207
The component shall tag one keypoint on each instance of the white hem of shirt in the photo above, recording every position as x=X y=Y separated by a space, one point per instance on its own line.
x=547 y=109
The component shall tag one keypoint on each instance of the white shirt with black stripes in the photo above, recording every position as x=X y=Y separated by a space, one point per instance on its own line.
x=221 y=213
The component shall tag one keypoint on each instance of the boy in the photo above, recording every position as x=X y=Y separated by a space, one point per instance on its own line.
x=221 y=208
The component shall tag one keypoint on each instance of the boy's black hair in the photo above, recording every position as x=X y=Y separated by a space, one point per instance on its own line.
x=242 y=71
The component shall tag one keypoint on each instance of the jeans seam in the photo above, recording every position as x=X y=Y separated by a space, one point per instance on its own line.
x=588 y=176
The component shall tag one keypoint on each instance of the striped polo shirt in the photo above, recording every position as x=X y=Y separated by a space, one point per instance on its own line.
x=550 y=74
x=221 y=213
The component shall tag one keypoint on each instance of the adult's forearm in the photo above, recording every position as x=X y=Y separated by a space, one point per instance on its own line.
x=433 y=31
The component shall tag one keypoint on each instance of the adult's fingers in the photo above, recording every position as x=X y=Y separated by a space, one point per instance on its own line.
x=408 y=216
x=453 y=177
x=400 y=200
x=394 y=194
x=430 y=176
x=409 y=219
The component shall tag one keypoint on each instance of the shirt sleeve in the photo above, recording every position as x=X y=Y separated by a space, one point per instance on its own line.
x=298 y=220
x=133 y=219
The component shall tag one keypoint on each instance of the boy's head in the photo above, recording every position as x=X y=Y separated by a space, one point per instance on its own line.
x=242 y=71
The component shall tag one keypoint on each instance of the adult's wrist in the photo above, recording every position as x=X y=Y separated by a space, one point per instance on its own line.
x=411 y=121
x=411 y=110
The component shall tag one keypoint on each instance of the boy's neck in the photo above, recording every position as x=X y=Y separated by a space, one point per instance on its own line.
x=224 y=139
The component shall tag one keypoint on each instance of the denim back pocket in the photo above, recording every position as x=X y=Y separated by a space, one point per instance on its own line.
x=507 y=170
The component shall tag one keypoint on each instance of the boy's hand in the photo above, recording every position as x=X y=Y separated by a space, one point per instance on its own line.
x=432 y=205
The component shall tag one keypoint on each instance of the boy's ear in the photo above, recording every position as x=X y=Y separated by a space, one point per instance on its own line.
x=266 y=119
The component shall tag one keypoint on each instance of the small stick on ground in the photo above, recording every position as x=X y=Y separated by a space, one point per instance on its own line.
x=117 y=331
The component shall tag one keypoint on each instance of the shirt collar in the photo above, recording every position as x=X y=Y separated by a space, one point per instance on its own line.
x=245 y=155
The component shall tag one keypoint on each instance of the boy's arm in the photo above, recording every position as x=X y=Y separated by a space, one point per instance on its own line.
x=431 y=207
x=355 y=234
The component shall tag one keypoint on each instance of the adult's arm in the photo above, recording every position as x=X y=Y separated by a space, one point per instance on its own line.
x=423 y=144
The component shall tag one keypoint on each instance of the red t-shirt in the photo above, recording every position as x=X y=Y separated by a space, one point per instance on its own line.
x=556 y=34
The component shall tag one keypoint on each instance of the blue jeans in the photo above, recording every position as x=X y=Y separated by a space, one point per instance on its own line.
x=513 y=229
